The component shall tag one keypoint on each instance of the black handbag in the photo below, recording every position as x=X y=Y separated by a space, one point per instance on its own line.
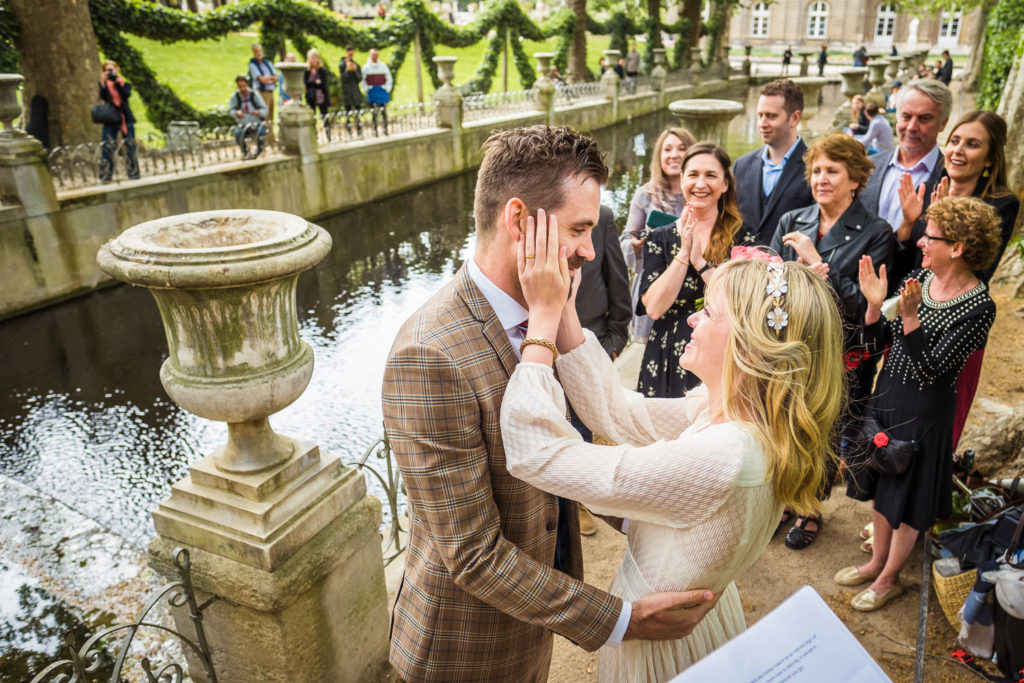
x=888 y=455
x=106 y=114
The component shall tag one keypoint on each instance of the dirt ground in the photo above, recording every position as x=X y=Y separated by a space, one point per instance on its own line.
x=890 y=635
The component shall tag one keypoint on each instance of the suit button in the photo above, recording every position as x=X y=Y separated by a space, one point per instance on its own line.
x=552 y=526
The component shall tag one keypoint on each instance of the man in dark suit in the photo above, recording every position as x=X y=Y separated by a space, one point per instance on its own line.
x=946 y=70
x=494 y=565
x=603 y=302
x=913 y=170
x=770 y=180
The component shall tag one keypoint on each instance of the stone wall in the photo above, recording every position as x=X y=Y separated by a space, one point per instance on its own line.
x=50 y=256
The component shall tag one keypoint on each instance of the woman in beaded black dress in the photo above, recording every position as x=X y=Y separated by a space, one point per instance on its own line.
x=941 y=315
x=679 y=259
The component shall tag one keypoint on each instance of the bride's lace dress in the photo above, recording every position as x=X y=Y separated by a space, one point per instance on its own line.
x=699 y=507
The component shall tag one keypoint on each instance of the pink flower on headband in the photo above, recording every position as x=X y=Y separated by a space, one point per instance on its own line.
x=754 y=254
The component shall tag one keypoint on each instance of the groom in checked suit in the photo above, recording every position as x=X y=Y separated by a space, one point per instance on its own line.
x=770 y=181
x=494 y=565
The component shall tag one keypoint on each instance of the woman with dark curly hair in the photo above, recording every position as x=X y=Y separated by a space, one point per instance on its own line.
x=679 y=259
x=941 y=316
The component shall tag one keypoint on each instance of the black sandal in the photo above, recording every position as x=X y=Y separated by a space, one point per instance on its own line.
x=799 y=537
x=787 y=517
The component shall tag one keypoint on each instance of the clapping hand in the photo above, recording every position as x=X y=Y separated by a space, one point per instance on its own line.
x=873 y=287
x=912 y=202
x=941 y=189
x=910 y=299
x=685 y=225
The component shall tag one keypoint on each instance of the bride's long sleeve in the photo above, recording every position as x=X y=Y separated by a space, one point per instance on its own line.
x=678 y=483
x=591 y=383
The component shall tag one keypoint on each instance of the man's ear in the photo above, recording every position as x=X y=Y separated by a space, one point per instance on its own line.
x=514 y=218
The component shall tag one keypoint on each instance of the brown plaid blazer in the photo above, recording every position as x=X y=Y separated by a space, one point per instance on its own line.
x=480 y=597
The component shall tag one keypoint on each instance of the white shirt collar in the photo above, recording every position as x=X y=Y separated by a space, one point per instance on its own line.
x=510 y=313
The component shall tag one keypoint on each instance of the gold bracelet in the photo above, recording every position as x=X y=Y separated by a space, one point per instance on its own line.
x=685 y=263
x=540 y=341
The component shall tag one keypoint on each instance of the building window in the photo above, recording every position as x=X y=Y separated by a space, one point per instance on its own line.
x=759 y=20
x=817 y=20
x=885 y=22
x=949 y=26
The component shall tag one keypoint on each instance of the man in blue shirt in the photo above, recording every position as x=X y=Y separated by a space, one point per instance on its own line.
x=770 y=180
x=264 y=78
x=922 y=110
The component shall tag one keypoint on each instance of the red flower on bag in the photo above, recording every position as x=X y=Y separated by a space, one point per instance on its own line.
x=854 y=358
x=881 y=439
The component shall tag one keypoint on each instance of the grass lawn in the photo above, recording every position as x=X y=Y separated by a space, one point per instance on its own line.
x=203 y=73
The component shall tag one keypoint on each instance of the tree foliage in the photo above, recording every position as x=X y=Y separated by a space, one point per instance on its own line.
x=1004 y=42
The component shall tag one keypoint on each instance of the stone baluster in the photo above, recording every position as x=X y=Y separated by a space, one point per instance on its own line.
x=747 y=66
x=23 y=171
x=610 y=81
x=695 y=64
x=284 y=539
x=544 y=86
x=877 y=68
x=805 y=64
x=447 y=99
x=298 y=127
x=659 y=75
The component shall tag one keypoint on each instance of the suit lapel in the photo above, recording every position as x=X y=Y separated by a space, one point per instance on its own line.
x=752 y=181
x=481 y=310
x=789 y=172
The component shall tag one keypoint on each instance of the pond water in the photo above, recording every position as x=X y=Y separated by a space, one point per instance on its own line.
x=84 y=418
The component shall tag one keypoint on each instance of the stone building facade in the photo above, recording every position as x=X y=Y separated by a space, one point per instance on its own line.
x=845 y=25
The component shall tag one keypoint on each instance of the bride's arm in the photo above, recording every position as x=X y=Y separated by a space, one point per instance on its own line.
x=677 y=483
x=593 y=386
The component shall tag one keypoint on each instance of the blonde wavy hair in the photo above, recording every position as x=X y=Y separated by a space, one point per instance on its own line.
x=790 y=387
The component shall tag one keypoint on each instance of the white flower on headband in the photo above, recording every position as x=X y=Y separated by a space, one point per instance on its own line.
x=777 y=319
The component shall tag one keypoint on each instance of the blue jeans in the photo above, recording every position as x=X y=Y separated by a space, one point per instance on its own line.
x=109 y=147
x=248 y=131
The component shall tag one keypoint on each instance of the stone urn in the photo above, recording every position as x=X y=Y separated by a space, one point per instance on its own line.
x=853 y=81
x=298 y=128
x=876 y=77
x=292 y=75
x=13 y=141
x=811 y=87
x=893 y=68
x=695 y=61
x=224 y=282
x=706 y=119
x=804 y=63
x=610 y=79
x=747 y=66
x=907 y=71
x=544 y=86
x=447 y=98
x=658 y=71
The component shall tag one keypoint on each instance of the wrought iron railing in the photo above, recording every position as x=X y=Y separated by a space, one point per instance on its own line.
x=93 y=163
x=567 y=94
x=85 y=663
x=479 y=106
x=394 y=490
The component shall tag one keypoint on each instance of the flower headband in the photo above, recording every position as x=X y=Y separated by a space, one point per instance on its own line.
x=776 y=289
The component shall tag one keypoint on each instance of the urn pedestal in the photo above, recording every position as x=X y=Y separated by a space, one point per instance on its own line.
x=706 y=119
x=280 y=532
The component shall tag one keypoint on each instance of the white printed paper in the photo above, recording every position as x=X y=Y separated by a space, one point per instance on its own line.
x=800 y=641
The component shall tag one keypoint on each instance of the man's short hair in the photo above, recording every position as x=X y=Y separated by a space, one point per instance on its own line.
x=792 y=95
x=871 y=108
x=945 y=53
x=241 y=77
x=254 y=46
x=532 y=164
x=349 y=48
x=937 y=91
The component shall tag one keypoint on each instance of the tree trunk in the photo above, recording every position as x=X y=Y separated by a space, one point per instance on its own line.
x=60 y=61
x=973 y=69
x=193 y=6
x=578 y=71
x=691 y=10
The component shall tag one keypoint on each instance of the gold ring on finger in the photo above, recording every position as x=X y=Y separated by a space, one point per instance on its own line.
x=531 y=256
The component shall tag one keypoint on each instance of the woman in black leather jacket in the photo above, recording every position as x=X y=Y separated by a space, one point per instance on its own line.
x=831 y=236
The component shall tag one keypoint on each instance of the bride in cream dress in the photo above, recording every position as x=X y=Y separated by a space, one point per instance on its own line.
x=701 y=479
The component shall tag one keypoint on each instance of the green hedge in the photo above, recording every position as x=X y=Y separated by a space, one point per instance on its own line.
x=1004 y=39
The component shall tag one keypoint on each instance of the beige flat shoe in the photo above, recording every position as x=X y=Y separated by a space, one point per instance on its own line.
x=587 y=525
x=869 y=601
x=851 y=577
x=868 y=545
x=868 y=531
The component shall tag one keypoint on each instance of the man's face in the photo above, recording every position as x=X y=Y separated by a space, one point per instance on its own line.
x=243 y=86
x=773 y=123
x=577 y=216
x=350 y=54
x=257 y=52
x=918 y=123
x=373 y=55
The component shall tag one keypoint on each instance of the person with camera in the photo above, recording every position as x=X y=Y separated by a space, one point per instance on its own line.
x=250 y=111
x=115 y=91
